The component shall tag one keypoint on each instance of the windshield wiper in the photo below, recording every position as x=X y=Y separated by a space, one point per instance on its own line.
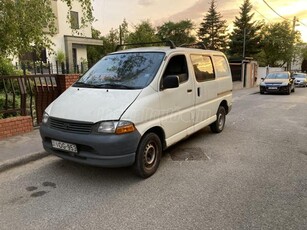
x=114 y=86
x=103 y=86
x=82 y=84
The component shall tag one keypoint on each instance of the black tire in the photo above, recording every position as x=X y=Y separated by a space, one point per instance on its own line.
x=261 y=92
x=219 y=124
x=148 y=155
x=289 y=90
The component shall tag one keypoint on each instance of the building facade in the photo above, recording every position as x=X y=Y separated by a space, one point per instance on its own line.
x=70 y=39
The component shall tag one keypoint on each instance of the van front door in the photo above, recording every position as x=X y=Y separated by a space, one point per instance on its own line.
x=177 y=104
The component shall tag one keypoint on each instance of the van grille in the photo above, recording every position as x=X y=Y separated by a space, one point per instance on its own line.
x=70 y=126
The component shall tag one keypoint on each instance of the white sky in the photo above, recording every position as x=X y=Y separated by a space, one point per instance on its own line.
x=111 y=13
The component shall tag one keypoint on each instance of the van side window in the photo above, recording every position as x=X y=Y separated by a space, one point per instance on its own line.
x=221 y=66
x=177 y=66
x=203 y=67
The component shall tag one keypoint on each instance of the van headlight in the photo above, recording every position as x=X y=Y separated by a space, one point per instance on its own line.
x=45 y=118
x=117 y=127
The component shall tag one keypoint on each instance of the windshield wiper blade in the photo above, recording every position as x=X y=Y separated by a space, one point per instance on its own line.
x=82 y=84
x=115 y=86
x=104 y=86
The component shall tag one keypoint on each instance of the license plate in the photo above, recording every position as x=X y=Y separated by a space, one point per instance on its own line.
x=64 y=146
x=272 y=87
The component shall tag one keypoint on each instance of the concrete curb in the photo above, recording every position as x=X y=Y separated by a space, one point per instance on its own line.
x=6 y=165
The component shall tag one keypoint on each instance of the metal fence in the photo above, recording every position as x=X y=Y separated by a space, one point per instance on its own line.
x=36 y=68
x=27 y=95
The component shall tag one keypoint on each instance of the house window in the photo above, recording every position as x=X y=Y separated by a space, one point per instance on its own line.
x=74 y=19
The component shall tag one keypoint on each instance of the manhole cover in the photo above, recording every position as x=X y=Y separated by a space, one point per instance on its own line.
x=188 y=154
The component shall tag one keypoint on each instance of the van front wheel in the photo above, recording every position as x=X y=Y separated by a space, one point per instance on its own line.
x=219 y=124
x=148 y=155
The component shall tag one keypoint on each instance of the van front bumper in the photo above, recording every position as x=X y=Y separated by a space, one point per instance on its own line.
x=106 y=150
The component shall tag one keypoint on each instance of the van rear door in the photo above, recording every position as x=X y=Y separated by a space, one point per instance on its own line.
x=206 y=90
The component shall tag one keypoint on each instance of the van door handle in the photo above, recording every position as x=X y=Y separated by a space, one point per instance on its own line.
x=198 y=91
x=189 y=90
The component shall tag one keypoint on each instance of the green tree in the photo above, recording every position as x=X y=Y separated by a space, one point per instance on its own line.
x=26 y=25
x=212 y=31
x=180 y=32
x=94 y=53
x=245 y=40
x=143 y=32
x=278 y=45
x=110 y=41
x=6 y=67
x=123 y=32
x=22 y=25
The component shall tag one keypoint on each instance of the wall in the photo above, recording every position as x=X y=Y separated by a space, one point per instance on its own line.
x=64 y=28
x=43 y=97
x=15 y=125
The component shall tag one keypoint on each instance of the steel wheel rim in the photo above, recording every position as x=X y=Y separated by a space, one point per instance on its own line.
x=150 y=154
x=220 y=121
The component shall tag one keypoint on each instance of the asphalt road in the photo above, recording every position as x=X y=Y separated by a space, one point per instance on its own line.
x=253 y=175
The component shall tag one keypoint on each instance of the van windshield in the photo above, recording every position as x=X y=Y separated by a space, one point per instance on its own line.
x=122 y=71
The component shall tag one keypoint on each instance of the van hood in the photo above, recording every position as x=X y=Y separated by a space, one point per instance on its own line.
x=276 y=81
x=92 y=105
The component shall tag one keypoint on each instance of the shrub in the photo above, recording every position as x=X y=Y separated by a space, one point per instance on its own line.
x=6 y=67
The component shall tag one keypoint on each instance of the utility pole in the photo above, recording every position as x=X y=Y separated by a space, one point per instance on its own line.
x=294 y=24
x=244 y=41
x=120 y=36
x=289 y=65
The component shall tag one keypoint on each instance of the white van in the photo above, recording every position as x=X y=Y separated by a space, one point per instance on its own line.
x=135 y=103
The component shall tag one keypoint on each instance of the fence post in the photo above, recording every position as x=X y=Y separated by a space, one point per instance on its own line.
x=49 y=68
x=41 y=64
x=57 y=66
x=67 y=67
x=63 y=67
x=23 y=95
x=23 y=66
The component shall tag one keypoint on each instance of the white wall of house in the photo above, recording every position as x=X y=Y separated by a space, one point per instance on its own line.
x=63 y=25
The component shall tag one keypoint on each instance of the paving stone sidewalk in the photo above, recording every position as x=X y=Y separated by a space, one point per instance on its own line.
x=21 y=149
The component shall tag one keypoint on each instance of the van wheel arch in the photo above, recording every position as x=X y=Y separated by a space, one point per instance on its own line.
x=225 y=105
x=149 y=152
x=160 y=133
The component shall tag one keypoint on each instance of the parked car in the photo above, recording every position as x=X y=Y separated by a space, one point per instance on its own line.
x=300 y=79
x=277 y=82
x=135 y=103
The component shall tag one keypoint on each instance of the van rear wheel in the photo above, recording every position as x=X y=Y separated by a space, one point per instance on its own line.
x=148 y=155
x=219 y=124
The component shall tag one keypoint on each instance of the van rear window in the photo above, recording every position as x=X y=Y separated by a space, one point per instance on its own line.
x=203 y=67
x=221 y=66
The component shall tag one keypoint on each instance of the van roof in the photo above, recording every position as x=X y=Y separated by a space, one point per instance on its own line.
x=168 y=50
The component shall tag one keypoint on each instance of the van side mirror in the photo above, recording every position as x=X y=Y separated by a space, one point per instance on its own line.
x=170 y=81
x=262 y=78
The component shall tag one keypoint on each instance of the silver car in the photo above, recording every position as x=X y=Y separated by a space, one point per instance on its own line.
x=300 y=79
